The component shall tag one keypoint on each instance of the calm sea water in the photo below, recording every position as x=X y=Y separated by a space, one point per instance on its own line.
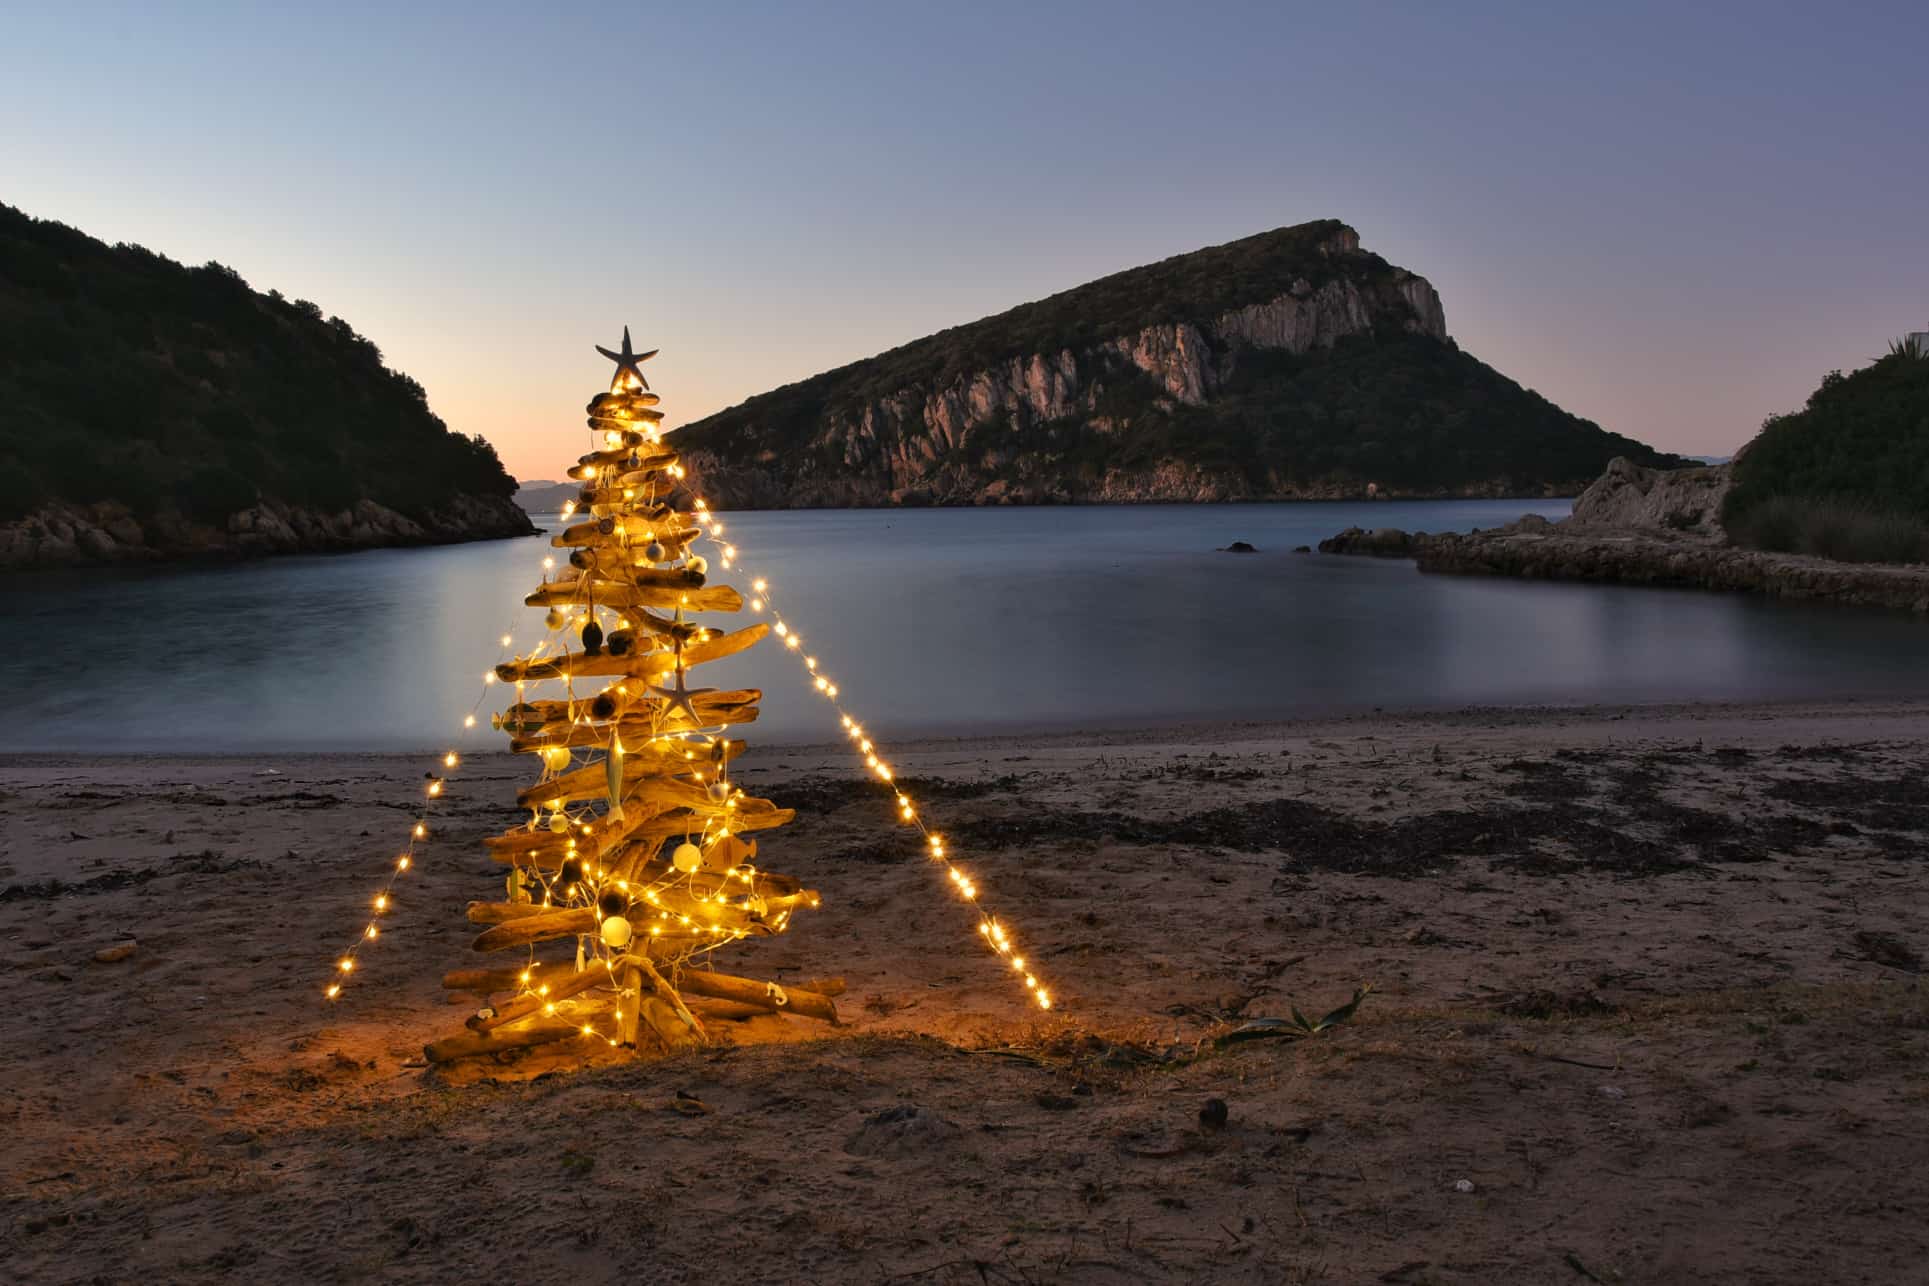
x=932 y=621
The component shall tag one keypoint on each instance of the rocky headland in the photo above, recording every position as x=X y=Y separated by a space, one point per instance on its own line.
x=1642 y=526
x=62 y=535
x=1292 y=365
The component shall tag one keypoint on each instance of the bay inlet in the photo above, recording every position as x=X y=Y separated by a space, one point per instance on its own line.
x=933 y=621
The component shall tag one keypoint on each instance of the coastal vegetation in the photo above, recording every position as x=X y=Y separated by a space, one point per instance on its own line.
x=1847 y=476
x=127 y=377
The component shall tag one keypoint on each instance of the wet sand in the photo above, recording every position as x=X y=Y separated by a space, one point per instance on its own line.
x=1647 y=1007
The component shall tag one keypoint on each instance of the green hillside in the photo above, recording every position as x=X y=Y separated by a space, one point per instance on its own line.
x=1847 y=476
x=127 y=377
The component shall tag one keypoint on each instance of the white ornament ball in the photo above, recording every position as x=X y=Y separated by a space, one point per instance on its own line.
x=556 y=758
x=616 y=932
x=697 y=564
x=555 y=619
x=558 y=822
x=655 y=552
x=719 y=791
x=687 y=858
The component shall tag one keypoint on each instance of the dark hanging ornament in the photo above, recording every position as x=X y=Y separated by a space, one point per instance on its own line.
x=592 y=637
x=612 y=903
x=570 y=876
x=621 y=641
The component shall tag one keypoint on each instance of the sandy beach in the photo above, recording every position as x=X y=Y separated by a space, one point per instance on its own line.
x=1647 y=1008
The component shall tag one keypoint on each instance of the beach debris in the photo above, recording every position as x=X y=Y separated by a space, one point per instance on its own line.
x=119 y=951
x=903 y=1131
x=1214 y=1114
x=1613 y=1091
x=1299 y=1025
x=1463 y=1185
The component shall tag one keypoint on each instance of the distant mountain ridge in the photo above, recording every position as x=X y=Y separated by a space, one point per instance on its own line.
x=1288 y=365
x=545 y=495
x=151 y=410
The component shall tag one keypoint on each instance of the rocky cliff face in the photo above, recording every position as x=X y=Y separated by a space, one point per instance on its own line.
x=1631 y=497
x=985 y=436
x=72 y=535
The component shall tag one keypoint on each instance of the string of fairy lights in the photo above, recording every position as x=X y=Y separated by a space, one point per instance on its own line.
x=994 y=933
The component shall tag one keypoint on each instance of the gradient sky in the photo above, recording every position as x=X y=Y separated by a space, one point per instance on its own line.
x=1672 y=219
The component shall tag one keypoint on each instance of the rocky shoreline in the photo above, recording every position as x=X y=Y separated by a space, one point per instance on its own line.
x=63 y=535
x=1638 y=526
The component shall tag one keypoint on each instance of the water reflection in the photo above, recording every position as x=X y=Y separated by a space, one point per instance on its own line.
x=932 y=621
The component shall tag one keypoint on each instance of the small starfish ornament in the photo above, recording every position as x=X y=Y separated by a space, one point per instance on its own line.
x=628 y=365
x=680 y=697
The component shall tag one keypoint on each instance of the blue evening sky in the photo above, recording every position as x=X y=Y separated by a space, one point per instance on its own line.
x=1672 y=219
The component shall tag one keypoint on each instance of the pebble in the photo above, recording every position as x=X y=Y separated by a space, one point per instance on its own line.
x=1613 y=1091
x=1213 y=1115
x=119 y=951
x=1463 y=1185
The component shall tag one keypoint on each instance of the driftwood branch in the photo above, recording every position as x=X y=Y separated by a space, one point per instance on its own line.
x=722 y=986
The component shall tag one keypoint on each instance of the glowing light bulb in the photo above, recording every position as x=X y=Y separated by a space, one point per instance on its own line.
x=449 y=760
x=469 y=722
x=334 y=990
x=346 y=965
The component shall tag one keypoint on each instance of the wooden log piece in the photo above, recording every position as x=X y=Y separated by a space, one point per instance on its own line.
x=713 y=598
x=615 y=460
x=593 y=782
x=470 y=1043
x=632 y=1005
x=707 y=646
x=663 y=1020
x=531 y=929
x=547 y=993
x=486 y=982
x=621 y=403
x=503 y=912
x=723 y=986
x=724 y=1010
x=638 y=729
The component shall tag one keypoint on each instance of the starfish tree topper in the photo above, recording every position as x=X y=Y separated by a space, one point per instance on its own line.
x=628 y=365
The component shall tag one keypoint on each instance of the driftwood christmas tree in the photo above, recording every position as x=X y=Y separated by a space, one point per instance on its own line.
x=636 y=864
